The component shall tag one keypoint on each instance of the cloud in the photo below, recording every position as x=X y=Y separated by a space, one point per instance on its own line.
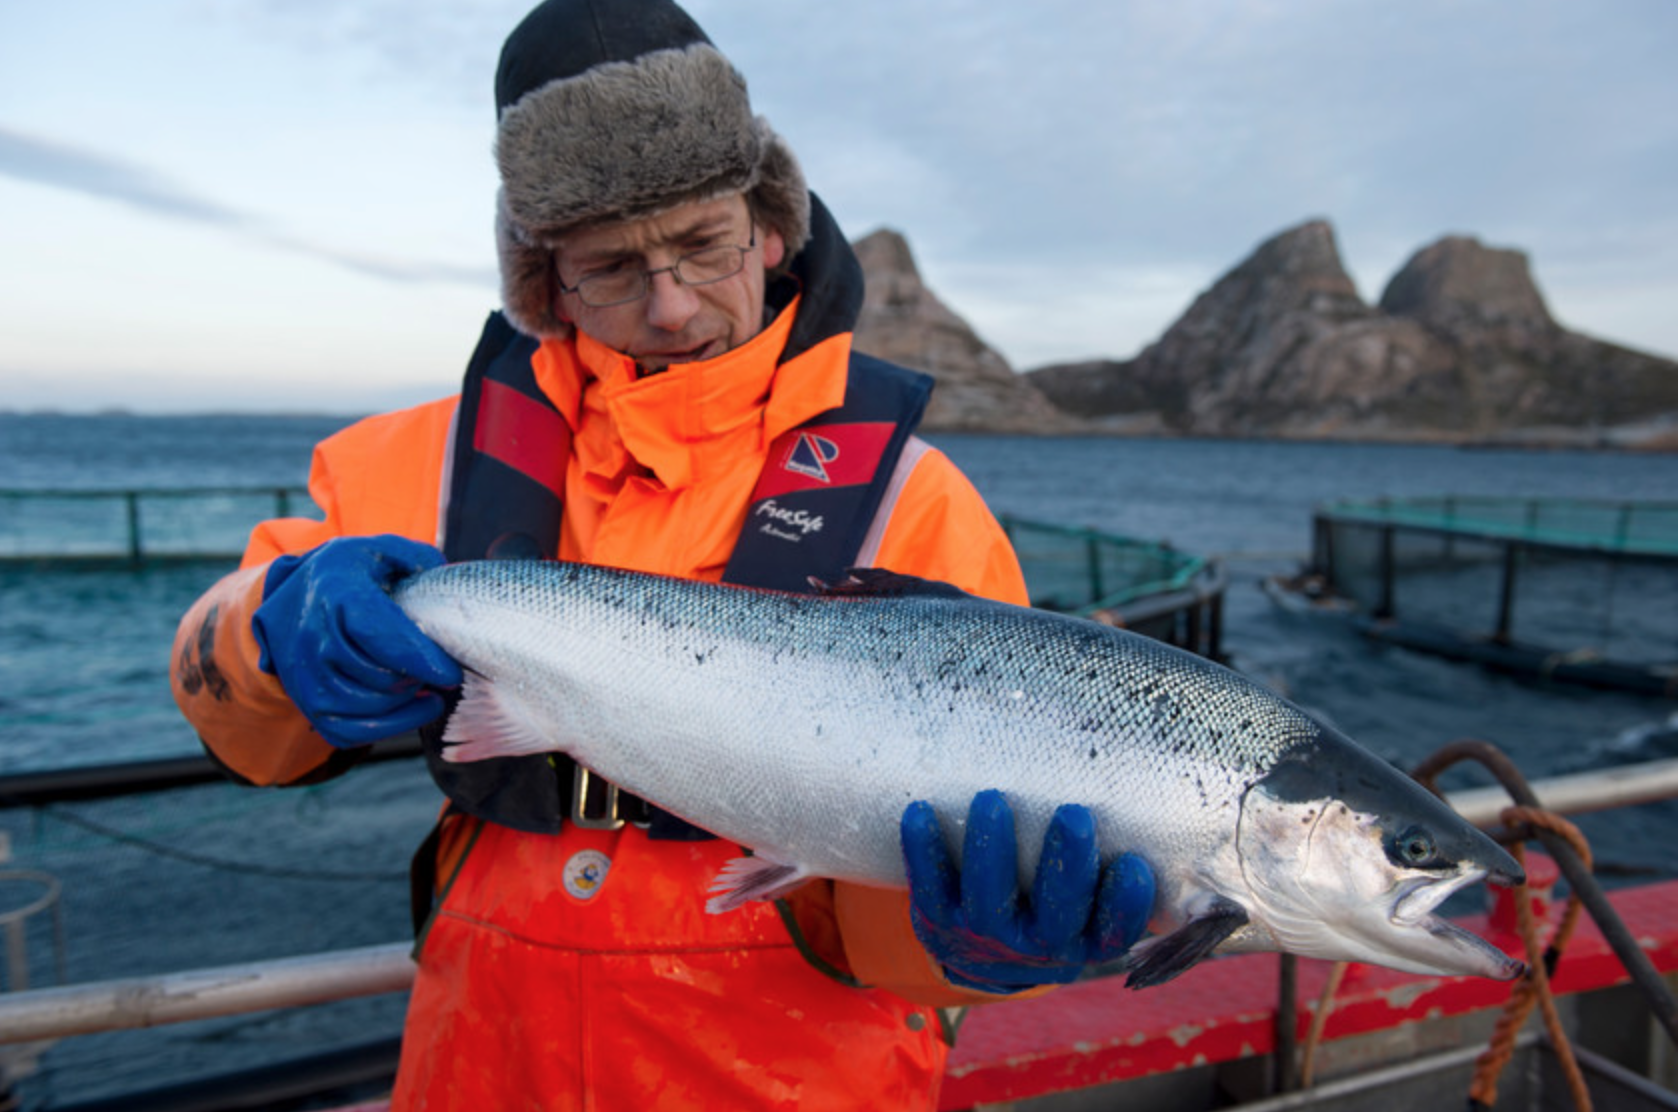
x=392 y=269
x=77 y=170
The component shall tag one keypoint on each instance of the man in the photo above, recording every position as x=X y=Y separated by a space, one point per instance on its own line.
x=677 y=394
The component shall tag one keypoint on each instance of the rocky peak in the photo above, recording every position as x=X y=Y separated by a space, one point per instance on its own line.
x=1296 y=270
x=1303 y=259
x=1296 y=276
x=1461 y=347
x=902 y=321
x=1458 y=286
x=886 y=254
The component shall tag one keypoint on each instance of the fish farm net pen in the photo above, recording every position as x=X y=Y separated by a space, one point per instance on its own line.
x=1560 y=589
x=202 y=873
x=133 y=527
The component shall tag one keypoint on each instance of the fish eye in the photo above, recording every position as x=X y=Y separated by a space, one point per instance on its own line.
x=1414 y=848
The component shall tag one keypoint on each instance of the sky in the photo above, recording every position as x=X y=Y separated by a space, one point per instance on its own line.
x=286 y=205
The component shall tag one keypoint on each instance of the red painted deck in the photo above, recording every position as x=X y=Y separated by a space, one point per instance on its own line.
x=1099 y=1031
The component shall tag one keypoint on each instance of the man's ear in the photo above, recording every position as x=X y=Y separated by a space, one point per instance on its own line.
x=775 y=248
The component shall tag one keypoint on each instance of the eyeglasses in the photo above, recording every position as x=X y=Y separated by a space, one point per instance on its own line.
x=625 y=284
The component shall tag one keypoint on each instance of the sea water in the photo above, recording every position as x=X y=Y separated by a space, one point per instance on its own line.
x=224 y=874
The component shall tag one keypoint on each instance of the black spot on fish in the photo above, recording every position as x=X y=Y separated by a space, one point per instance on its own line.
x=1093 y=753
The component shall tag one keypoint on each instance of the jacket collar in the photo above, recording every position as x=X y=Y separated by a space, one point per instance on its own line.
x=679 y=425
x=670 y=425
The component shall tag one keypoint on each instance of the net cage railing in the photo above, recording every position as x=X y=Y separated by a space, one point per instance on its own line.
x=1083 y=571
x=1631 y=528
x=137 y=526
x=1575 y=576
x=1068 y=569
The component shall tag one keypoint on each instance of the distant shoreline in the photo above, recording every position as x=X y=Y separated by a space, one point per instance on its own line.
x=1647 y=437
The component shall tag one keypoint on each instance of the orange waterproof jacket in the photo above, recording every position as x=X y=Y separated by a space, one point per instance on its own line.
x=580 y=970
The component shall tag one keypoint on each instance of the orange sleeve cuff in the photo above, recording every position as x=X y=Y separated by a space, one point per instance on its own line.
x=883 y=951
x=241 y=713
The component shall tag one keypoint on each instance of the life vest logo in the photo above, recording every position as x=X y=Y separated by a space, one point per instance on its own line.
x=811 y=456
x=789 y=525
x=585 y=872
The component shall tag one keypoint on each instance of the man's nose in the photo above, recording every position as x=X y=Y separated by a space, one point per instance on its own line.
x=670 y=304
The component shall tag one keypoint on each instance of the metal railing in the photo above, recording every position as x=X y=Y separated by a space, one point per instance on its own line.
x=1563 y=589
x=1625 y=528
x=1083 y=571
x=1145 y=586
x=137 y=526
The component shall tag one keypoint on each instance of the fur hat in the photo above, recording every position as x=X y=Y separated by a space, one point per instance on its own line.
x=614 y=110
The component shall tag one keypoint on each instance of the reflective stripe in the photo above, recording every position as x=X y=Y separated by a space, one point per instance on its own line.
x=913 y=452
x=522 y=432
x=448 y=483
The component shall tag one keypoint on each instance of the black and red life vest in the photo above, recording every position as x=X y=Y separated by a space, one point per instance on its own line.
x=505 y=497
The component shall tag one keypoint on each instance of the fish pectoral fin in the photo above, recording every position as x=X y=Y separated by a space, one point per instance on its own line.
x=745 y=879
x=884 y=583
x=486 y=723
x=1158 y=960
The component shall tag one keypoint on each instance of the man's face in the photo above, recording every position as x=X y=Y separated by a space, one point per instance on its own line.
x=674 y=323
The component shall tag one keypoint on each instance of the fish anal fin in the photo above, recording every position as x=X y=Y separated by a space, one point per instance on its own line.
x=487 y=723
x=745 y=879
x=1158 y=960
x=885 y=583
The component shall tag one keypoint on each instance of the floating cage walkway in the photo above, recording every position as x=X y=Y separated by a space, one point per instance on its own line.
x=134 y=528
x=1145 y=586
x=1569 y=590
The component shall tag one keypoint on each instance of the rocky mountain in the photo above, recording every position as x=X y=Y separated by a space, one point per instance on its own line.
x=1460 y=347
x=904 y=322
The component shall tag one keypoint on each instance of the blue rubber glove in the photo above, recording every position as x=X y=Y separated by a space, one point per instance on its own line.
x=346 y=654
x=975 y=922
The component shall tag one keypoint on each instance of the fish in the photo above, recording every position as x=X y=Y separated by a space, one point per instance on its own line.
x=800 y=726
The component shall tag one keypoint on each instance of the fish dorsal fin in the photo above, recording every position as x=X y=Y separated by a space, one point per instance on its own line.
x=745 y=879
x=885 y=583
x=1158 y=960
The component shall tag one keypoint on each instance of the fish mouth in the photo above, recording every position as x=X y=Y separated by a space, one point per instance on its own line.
x=1462 y=952
x=1423 y=895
